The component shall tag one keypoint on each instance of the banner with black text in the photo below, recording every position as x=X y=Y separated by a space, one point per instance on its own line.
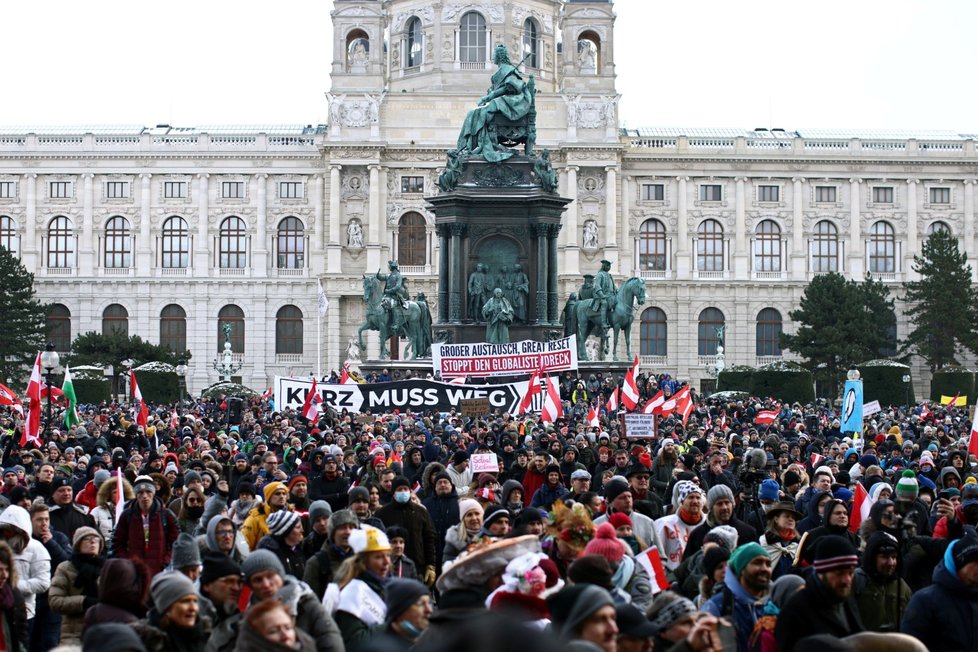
x=482 y=360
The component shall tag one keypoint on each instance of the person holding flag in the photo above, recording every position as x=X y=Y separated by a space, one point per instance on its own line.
x=32 y=421
x=72 y=418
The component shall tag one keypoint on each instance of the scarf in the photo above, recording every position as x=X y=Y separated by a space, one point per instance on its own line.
x=6 y=597
x=688 y=519
x=624 y=572
x=88 y=568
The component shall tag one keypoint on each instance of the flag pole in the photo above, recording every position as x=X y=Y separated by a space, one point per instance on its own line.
x=319 y=346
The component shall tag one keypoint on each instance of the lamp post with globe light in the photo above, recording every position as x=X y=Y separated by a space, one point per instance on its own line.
x=49 y=361
x=906 y=387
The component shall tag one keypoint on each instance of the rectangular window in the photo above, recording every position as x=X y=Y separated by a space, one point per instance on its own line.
x=174 y=189
x=60 y=189
x=711 y=192
x=768 y=193
x=290 y=190
x=940 y=195
x=883 y=195
x=653 y=192
x=116 y=189
x=232 y=189
x=825 y=194
x=8 y=189
x=412 y=184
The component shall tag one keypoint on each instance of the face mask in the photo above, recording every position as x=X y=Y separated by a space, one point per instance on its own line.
x=402 y=496
x=410 y=629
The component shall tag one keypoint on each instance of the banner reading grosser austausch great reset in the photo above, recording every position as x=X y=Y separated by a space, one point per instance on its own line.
x=483 y=360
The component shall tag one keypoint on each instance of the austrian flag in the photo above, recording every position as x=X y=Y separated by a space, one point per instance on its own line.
x=766 y=417
x=310 y=409
x=138 y=404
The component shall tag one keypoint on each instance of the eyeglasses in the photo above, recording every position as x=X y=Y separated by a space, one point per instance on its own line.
x=224 y=533
x=193 y=502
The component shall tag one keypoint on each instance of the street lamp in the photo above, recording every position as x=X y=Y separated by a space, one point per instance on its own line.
x=182 y=380
x=906 y=383
x=49 y=360
x=127 y=363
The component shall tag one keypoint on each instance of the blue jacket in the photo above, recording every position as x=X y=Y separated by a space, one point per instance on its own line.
x=745 y=610
x=944 y=616
x=545 y=496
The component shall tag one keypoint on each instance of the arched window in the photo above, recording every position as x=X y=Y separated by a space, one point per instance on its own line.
x=938 y=226
x=768 y=331
x=652 y=246
x=118 y=249
x=767 y=247
x=233 y=315
x=882 y=249
x=709 y=247
x=531 y=43
x=472 y=38
x=415 y=45
x=61 y=242
x=233 y=244
x=173 y=328
x=291 y=244
x=588 y=53
x=357 y=48
x=652 y=337
x=411 y=239
x=59 y=327
x=175 y=243
x=115 y=320
x=288 y=330
x=825 y=248
x=710 y=320
x=8 y=234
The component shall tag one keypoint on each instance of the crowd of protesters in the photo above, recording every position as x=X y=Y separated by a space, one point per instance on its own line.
x=372 y=532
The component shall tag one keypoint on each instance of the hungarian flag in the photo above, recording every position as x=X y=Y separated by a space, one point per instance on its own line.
x=552 y=408
x=32 y=423
x=651 y=561
x=629 y=389
x=766 y=417
x=684 y=403
x=72 y=418
x=310 y=409
x=138 y=404
x=612 y=404
x=592 y=417
x=655 y=403
x=532 y=389
x=862 y=502
x=7 y=396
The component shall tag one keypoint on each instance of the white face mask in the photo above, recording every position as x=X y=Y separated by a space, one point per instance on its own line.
x=402 y=496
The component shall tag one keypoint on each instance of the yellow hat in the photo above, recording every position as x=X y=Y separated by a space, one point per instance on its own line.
x=369 y=539
x=271 y=488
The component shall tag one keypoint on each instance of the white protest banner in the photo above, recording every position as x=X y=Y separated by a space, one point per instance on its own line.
x=871 y=408
x=483 y=360
x=639 y=426
x=484 y=463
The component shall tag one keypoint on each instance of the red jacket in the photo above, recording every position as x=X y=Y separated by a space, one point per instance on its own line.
x=128 y=541
x=88 y=497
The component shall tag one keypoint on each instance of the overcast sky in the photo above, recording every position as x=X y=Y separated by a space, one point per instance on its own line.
x=708 y=63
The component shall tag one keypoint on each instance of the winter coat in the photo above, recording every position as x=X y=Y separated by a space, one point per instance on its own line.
x=810 y=611
x=322 y=566
x=456 y=541
x=732 y=601
x=251 y=641
x=66 y=519
x=357 y=633
x=256 y=525
x=546 y=496
x=310 y=615
x=33 y=562
x=813 y=517
x=14 y=624
x=171 y=638
x=293 y=561
x=944 y=615
x=745 y=533
x=335 y=491
x=71 y=596
x=642 y=525
x=420 y=542
x=128 y=541
x=403 y=567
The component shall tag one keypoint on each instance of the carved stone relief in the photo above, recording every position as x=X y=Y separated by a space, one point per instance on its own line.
x=590 y=184
x=591 y=113
x=354 y=111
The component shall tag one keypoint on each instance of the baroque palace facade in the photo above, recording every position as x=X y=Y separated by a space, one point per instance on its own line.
x=170 y=232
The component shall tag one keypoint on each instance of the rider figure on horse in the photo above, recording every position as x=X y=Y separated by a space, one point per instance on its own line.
x=604 y=293
x=394 y=289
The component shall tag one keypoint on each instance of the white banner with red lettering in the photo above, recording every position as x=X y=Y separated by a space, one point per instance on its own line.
x=482 y=360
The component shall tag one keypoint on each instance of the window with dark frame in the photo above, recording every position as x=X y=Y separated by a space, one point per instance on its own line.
x=940 y=195
x=8 y=189
x=825 y=194
x=117 y=244
x=882 y=195
x=412 y=184
x=825 y=248
x=767 y=247
x=415 y=47
x=8 y=234
x=769 y=325
x=291 y=244
x=59 y=189
x=709 y=247
x=233 y=315
x=116 y=189
x=174 y=189
x=882 y=249
x=652 y=246
x=175 y=243
x=232 y=189
x=710 y=320
x=411 y=240
x=769 y=193
x=653 y=333
x=290 y=190
x=288 y=330
x=711 y=192
x=653 y=192
x=61 y=243
x=115 y=320
x=472 y=37
x=173 y=328
x=59 y=327
x=233 y=244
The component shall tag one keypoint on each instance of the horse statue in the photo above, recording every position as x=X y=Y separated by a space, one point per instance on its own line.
x=620 y=319
x=380 y=317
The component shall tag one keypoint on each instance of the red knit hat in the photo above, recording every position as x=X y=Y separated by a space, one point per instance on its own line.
x=618 y=519
x=606 y=544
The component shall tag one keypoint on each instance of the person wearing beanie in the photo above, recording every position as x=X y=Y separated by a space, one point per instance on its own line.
x=551 y=490
x=174 y=622
x=331 y=485
x=256 y=525
x=881 y=594
x=321 y=567
x=284 y=538
x=401 y=564
x=744 y=594
x=74 y=586
x=826 y=604
x=146 y=530
x=619 y=499
x=835 y=521
x=671 y=617
x=408 y=608
x=265 y=576
x=908 y=505
x=420 y=539
x=361 y=607
x=186 y=556
x=113 y=637
x=625 y=532
x=460 y=473
x=220 y=589
x=460 y=537
x=719 y=511
x=584 y=612
x=628 y=577
x=245 y=499
x=714 y=568
x=319 y=513
x=673 y=531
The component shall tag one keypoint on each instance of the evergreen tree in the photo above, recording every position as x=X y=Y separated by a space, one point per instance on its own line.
x=108 y=349
x=883 y=323
x=942 y=305
x=22 y=317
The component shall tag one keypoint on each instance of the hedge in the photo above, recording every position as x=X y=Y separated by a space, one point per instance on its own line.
x=90 y=390
x=217 y=390
x=883 y=382
x=785 y=381
x=158 y=387
x=736 y=378
x=950 y=381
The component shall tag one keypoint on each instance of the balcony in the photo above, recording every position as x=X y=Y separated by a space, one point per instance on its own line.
x=173 y=271
x=885 y=277
x=414 y=270
x=769 y=276
x=768 y=359
x=709 y=276
x=59 y=271
x=288 y=358
x=116 y=271
x=290 y=273
x=653 y=274
x=652 y=363
x=232 y=271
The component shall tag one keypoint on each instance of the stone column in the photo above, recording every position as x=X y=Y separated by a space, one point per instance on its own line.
x=572 y=248
x=86 y=234
x=552 y=299
x=335 y=351
x=682 y=229
x=443 y=260
x=798 y=254
x=259 y=264
x=906 y=265
x=334 y=247
x=202 y=245
x=969 y=222
x=317 y=241
x=741 y=254
x=626 y=220
x=31 y=251
x=857 y=258
x=375 y=216
x=540 y=235
x=455 y=272
x=144 y=254
x=611 y=215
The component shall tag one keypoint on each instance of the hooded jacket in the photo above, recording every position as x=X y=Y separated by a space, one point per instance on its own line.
x=741 y=607
x=813 y=517
x=944 y=615
x=33 y=560
x=881 y=601
x=812 y=611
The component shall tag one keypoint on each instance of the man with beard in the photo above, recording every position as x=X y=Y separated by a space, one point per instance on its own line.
x=662 y=468
x=880 y=592
x=744 y=598
x=220 y=589
x=719 y=511
x=332 y=486
x=825 y=605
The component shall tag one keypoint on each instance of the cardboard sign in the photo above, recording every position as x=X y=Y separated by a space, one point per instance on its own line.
x=639 y=426
x=475 y=407
x=484 y=463
x=871 y=408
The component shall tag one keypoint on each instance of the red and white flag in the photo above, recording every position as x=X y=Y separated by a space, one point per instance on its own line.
x=56 y=393
x=668 y=405
x=532 y=389
x=345 y=377
x=629 y=389
x=138 y=405
x=684 y=403
x=32 y=422
x=592 y=417
x=120 y=496
x=815 y=460
x=655 y=403
x=7 y=396
x=973 y=440
x=651 y=561
x=552 y=408
x=268 y=394
x=766 y=417
x=862 y=502
x=612 y=401
x=723 y=420
x=310 y=408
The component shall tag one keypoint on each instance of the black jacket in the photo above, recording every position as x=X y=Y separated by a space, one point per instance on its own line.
x=443 y=511
x=335 y=491
x=944 y=616
x=292 y=559
x=69 y=518
x=420 y=543
x=810 y=612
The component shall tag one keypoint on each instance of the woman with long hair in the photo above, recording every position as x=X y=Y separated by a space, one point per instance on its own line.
x=13 y=611
x=361 y=608
x=463 y=535
x=104 y=512
x=191 y=509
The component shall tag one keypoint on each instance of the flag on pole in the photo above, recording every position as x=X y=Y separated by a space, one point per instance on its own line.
x=310 y=409
x=815 y=459
x=32 y=422
x=957 y=401
x=7 y=396
x=655 y=403
x=612 y=404
x=323 y=302
x=532 y=389
x=345 y=377
x=629 y=389
x=862 y=502
x=72 y=418
x=592 y=417
x=552 y=407
x=139 y=405
x=766 y=417
x=56 y=394
x=684 y=403
x=668 y=406
x=120 y=496
x=651 y=561
x=268 y=394
x=973 y=440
